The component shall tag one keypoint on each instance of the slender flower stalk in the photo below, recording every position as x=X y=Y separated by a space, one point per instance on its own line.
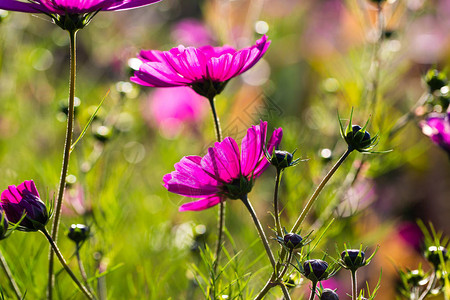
x=376 y=57
x=221 y=215
x=316 y=193
x=285 y=291
x=10 y=276
x=354 y=286
x=66 y=267
x=313 y=290
x=430 y=285
x=81 y=268
x=261 y=233
x=275 y=202
x=66 y=157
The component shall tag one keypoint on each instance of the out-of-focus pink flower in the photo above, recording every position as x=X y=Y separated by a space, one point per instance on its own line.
x=206 y=69
x=74 y=201
x=411 y=234
x=24 y=199
x=192 y=32
x=438 y=129
x=223 y=172
x=63 y=7
x=171 y=109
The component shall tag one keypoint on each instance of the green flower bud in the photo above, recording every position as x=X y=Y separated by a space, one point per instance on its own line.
x=433 y=255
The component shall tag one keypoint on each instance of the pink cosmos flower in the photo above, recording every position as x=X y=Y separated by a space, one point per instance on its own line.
x=206 y=69
x=171 y=109
x=223 y=172
x=71 y=15
x=438 y=129
x=24 y=199
x=63 y=7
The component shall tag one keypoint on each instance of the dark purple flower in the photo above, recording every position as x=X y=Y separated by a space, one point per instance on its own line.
x=329 y=294
x=224 y=172
x=206 y=69
x=24 y=199
x=315 y=269
x=438 y=129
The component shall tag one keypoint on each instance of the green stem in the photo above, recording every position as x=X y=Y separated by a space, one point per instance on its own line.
x=285 y=291
x=313 y=290
x=65 y=164
x=286 y=265
x=300 y=219
x=275 y=203
x=354 y=286
x=377 y=60
x=81 y=267
x=316 y=193
x=430 y=286
x=221 y=216
x=10 y=276
x=261 y=233
x=66 y=267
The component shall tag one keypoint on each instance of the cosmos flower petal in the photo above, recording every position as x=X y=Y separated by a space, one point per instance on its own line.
x=29 y=186
x=201 y=204
x=252 y=147
x=196 y=66
x=15 y=5
x=222 y=160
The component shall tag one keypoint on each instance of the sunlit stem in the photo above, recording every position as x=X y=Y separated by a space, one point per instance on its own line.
x=377 y=60
x=81 y=267
x=285 y=291
x=313 y=290
x=354 y=286
x=286 y=265
x=316 y=193
x=66 y=267
x=221 y=216
x=430 y=286
x=10 y=276
x=299 y=221
x=66 y=156
x=261 y=233
x=275 y=203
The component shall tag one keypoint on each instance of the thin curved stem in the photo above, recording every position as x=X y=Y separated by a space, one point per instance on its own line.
x=66 y=267
x=275 y=203
x=81 y=268
x=261 y=233
x=10 y=276
x=65 y=163
x=313 y=290
x=286 y=265
x=221 y=216
x=354 y=286
x=285 y=291
x=430 y=286
x=316 y=193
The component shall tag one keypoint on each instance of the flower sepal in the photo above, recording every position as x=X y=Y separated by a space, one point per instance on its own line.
x=209 y=88
x=316 y=269
x=238 y=188
x=73 y=22
x=353 y=259
x=293 y=241
x=357 y=138
x=282 y=159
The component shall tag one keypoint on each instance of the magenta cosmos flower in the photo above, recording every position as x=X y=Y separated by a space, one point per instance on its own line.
x=223 y=172
x=24 y=199
x=206 y=69
x=438 y=129
x=80 y=12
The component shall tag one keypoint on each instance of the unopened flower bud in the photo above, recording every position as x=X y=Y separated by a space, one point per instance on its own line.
x=78 y=233
x=433 y=255
x=292 y=241
x=329 y=294
x=415 y=278
x=435 y=80
x=281 y=159
x=318 y=268
x=358 y=139
x=22 y=204
x=353 y=259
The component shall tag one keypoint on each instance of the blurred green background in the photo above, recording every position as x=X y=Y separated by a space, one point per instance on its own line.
x=324 y=57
